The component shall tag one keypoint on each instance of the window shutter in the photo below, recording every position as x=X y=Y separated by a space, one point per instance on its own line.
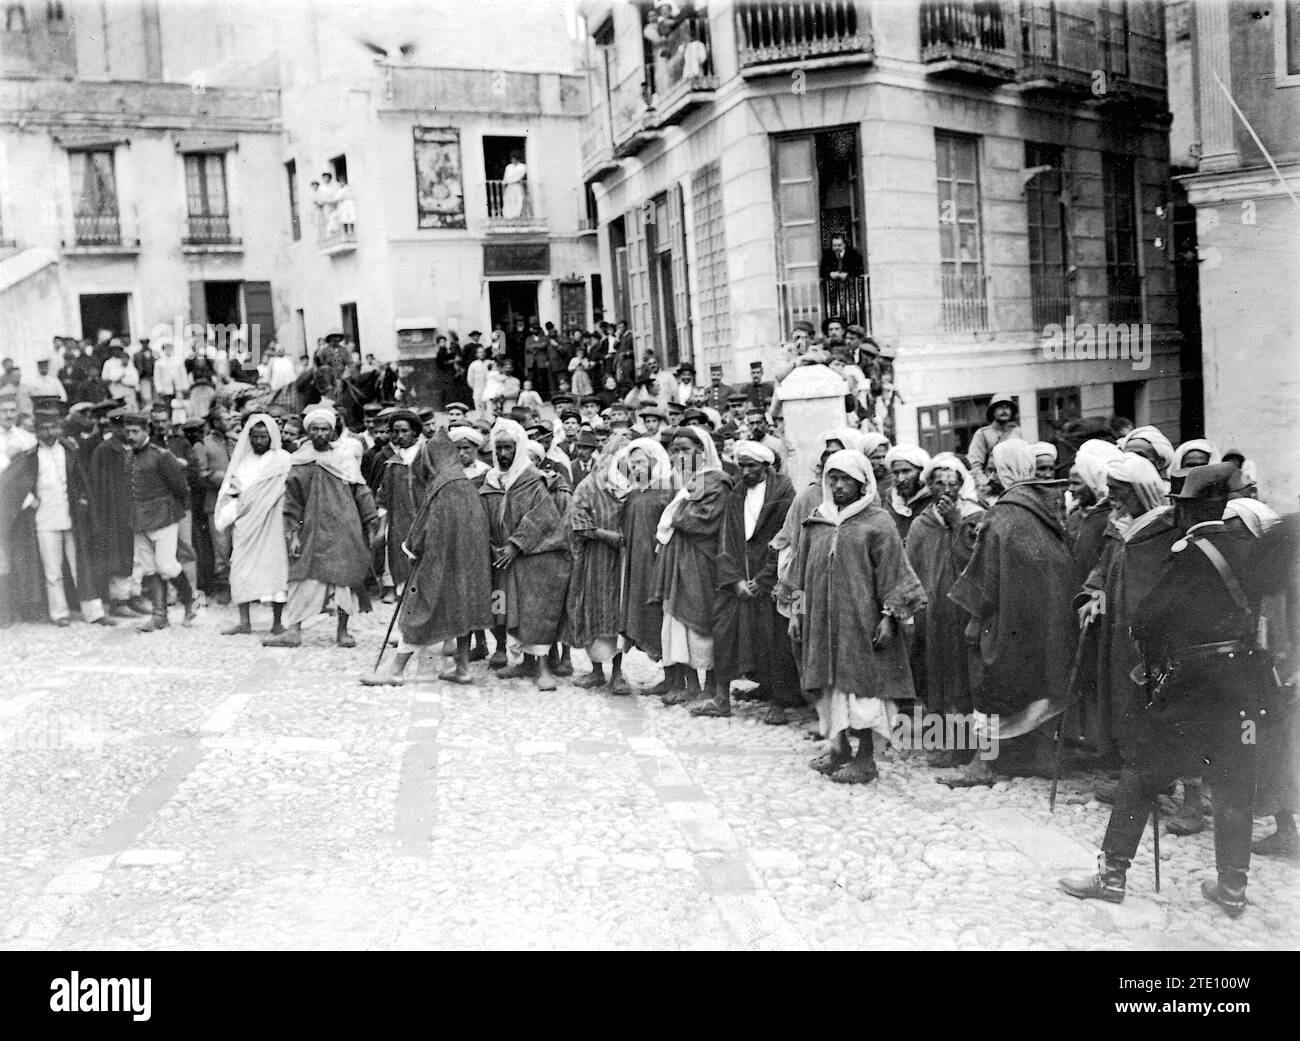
x=681 y=290
x=259 y=315
x=198 y=306
x=640 y=317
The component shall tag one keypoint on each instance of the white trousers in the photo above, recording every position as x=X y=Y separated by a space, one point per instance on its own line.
x=155 y=552
x=55 y=547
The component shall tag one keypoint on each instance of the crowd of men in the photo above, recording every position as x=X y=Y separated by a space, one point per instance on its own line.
x=1106 y=593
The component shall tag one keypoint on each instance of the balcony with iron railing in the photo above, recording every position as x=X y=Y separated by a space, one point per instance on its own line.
x=336 y=229
x=964 y=304
x=208 y=230
x=773 y=33
x=1058 y=47
x=813 y=300
x=101 y=234
x=683 y=72
x=514 y=206
x=971 y=39
x=632 y=115
x=596 y=145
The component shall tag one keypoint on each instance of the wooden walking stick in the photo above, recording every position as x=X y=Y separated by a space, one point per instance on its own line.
x=397 y=609
x=1060 y=721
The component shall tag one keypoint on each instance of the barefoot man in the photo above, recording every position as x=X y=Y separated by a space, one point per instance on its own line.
x=329 y=521
x=450 y=590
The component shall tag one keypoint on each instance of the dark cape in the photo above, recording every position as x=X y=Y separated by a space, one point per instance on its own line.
x=22 y=582
x=749 y=635
x=1019 y=584
x=1126 y=571
x=938 y=554
x=335 y=517
x=537 y=583
x=640 y=616
x=112 y=511
x=397 y=495
x=847 y=576
x=593 y=608
x=686 y=576
x=450 y=586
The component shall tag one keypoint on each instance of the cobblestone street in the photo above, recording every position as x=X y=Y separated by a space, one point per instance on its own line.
x=188 y=790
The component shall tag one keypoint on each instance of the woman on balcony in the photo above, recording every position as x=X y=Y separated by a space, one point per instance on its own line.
x=514 y=182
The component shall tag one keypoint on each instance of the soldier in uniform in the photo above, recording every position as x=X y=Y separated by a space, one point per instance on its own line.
x=1204 y=675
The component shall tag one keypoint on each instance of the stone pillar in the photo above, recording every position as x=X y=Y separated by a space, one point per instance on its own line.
x=811 y=401
x=1215 y=115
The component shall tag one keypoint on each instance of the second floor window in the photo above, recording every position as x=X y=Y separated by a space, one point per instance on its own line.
x=1123 y=281
x=94 y=198
x=1048 y=266
x=961 y=260
x=205 y=194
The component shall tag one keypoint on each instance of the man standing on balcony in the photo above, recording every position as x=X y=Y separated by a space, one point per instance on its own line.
x=841 y=266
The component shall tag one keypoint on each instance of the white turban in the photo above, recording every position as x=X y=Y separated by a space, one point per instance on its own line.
x=754 y=451
x=913 y=455
x=846 y=436
x=1014 y=462
x=1137 y=471
x=509 y=430
x=1196 y=445
x=535 y=449
x=467 y=433
x=1155 y=439
x=871 y=441
x=320 y=414
x=1043 y=448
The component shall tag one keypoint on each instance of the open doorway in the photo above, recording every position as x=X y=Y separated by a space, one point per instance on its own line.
x=510 y=300
x=111 y=311
x=221 y=302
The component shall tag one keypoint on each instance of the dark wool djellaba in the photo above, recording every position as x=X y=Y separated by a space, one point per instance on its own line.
x=449 y=592
x=1019 y=584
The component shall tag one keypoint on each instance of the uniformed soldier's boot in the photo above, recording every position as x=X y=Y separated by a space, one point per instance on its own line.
x=157 y=590
x=186 y=596
x=1230 y=899
x=1107 y=884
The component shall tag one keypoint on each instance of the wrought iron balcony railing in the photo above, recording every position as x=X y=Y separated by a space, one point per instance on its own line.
x=795 y=30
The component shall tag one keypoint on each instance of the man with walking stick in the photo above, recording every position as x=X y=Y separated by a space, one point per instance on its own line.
x=1206 y=678
x=449 y=591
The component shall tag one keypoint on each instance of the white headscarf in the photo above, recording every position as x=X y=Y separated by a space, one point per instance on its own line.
x=871 y=440
x=967 y=496
x=1014 y=462
x=1043 y=448
x=664 y=530
x=1090 y=464
x=1195 y=445
x=913 y=455
x=1257 y=517
x=855 y=465
x=661 y=467
x=1153 y=437
x=247 y=468
x=509 y=430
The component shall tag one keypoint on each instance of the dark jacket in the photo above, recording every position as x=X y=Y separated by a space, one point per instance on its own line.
x=158 y=487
